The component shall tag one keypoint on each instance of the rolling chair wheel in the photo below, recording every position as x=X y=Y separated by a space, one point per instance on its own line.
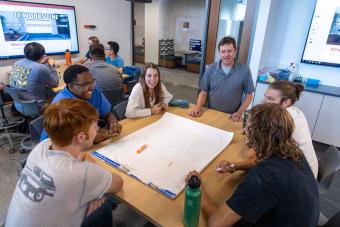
x=11 y=151
x=24 y=150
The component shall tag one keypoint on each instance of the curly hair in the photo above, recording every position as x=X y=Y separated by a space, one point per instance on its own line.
x=269 y=132
x=157 y=91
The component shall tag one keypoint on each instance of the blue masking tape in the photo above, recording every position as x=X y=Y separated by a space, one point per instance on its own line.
x=165 y=192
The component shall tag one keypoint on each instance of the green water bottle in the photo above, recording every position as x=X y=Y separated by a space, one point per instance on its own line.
x=192 y=203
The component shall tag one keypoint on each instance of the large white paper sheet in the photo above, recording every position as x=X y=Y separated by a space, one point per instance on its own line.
x=162 y=153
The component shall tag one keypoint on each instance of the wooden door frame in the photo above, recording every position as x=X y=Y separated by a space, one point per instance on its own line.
x=214 y=12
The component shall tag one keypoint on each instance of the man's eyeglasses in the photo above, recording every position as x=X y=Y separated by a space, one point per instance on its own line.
x=86 y=84
x=107 y=48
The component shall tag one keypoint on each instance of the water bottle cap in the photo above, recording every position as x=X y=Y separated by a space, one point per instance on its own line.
x=194 y=182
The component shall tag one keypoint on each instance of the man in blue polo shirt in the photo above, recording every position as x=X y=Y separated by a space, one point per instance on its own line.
x=80 y=84
x=227 y=84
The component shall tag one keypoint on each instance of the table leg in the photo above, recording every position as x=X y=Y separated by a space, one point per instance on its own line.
x=185 y=59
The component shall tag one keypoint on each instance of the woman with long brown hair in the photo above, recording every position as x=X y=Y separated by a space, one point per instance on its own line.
x=149 y=96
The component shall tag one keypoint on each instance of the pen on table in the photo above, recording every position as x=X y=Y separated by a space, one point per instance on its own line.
x=220 y=168
x=141 y=149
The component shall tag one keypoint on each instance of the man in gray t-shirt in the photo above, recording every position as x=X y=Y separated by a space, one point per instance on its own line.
x=227 y=84
x=35 y=74
x=58 y=186
x=107 y=76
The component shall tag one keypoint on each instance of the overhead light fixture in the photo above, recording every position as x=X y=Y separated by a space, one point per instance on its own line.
x=186 y=24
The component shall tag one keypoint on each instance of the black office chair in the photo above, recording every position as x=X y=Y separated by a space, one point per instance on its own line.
x=7 y=124
x=36 y=127
x=28 y=143
x=114 y=96
x=28 y=108
x=329 y=164
x=119 y=110
x=332 y=222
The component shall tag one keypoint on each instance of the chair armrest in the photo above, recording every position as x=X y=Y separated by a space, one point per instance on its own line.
x=28 y=101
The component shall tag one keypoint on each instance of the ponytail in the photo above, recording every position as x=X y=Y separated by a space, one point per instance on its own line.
x=298 y=89
x=288 y=90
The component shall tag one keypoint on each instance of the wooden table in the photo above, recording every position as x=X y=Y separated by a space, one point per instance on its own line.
x=186 y=53
x=161 y=210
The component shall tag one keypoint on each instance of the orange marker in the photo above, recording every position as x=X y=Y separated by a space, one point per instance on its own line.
x=141 y=149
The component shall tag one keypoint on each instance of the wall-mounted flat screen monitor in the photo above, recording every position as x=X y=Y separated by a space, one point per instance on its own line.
x=53 y=26
x=323 y=41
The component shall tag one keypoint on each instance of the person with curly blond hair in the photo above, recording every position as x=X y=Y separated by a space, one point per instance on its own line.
x=280 y=190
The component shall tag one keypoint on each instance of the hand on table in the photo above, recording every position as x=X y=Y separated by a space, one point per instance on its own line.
x=102 y=134
x=114 y=127
x=225 y=166
x=157 y=109
x=164 y=106
x=195 y=112
x=190 y=174
x=236 y=116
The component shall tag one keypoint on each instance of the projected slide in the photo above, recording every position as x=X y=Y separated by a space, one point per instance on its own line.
x=24 y=26
x=334 y=33
x=53 y=26
x=323 y=41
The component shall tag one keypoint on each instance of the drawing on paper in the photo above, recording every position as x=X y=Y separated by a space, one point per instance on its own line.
x=162 y=153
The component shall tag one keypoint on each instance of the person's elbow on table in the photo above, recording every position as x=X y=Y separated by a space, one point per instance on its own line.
x=116 y=184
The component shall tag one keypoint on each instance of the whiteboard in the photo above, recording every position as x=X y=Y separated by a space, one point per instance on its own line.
x=161 y=154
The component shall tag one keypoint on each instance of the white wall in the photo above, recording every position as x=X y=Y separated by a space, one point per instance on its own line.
x=140 y=22
x=153 y=21
x=180 y=10
x=113 y=21
x=288 y=26
x=258 y=39
x=163 y=18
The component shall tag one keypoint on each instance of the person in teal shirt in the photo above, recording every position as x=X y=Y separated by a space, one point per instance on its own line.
x=112 y=56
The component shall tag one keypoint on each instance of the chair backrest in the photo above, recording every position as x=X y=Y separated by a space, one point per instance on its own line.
x=3 y=116
x=36 y=127
x=329 y=164
x=130 y=85
x=114 y=96
x=333 y=221
x=119 y=110
x=28 y=108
